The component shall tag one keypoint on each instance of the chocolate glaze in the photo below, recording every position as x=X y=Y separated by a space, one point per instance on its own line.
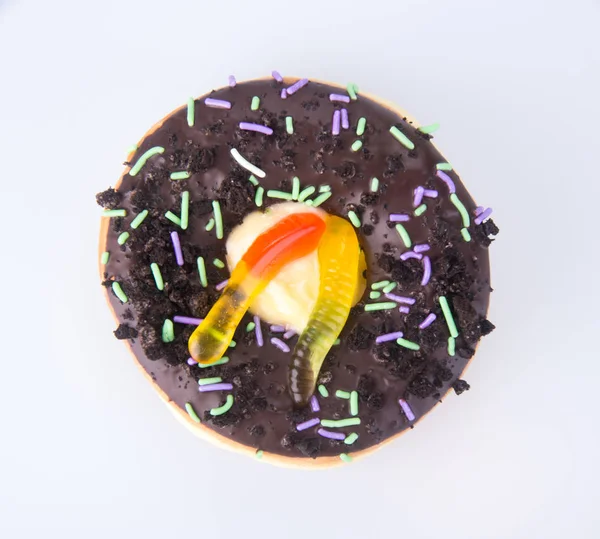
x=263 y=415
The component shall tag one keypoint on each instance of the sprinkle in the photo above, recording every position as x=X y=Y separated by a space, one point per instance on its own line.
x=283 y=93
x=478 y=210
x=232 y=344
x=374 y=185
x=374 y=295
x=354 y=219
x=356 y=145
x=410 y=254
x=253 y=180
x=465 y=234
x=219 y=263
x=360 y=127
x=350 y=422
x=143 y=158
x=428 y=129
x=389 y=288
x=345 y=457
x=277 y=329
x=345 y=121
x=351 y=88
x=246 y=164
x=403 y=309
x=222 y=409
x=191 y=412
x=139 y=219
x=389 y=337
x=461 y=209
x=250 y=326
x=421 y=248
x=258 y=331
x=448 y=316
x=119 y=292
x=185 y=209
x=202 y=271
x=173 y=218
x=168 y=331
x=289 y=334
x=320 y=199
x=354 y=403
x=191 y=106
x=404 y=235
x=222 y=285
x=296 y=86
x=443 y=166
x=306 y=192
x=426 y=271
x=255 y=103
x=308 y=424
x=123 y=237
x=418 y=196
x=218 y=218
x=210 y=225
x=295 y=187
x=384 y=305
x=232 y=81
x=274 y=193
x=314 y=404
x=114 y=213
x=406 y=409
x=258 y=197
x=482 y=216
x=379 y=284
x=428 y=321
x=420 y=210
x=259 y=454
x=447 y=180
x=177 y=248
x=401 y=137
x=400 y=299
x=408 y=344
x=280 y=344
x=351 y=438
x=221 y=361
x=104 y=258
x=331 y=435
x=342 y=394
x=323 y=391
x=339 y=97
x=208 y=381
x=256 y=127
x=324 y=188
x=337 y=342
x=215 y=387
x=277 y=76
x=335 y=128
x=289 y=125
x=187 y=320
x=217 y=103
x=430 y=193
x=158 y=279
x=451 y=346
x=399 y=217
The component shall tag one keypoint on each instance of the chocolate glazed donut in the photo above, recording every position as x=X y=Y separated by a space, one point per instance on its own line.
x=195 y=176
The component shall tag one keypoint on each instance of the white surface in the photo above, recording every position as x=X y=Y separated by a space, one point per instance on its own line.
x=87 y=450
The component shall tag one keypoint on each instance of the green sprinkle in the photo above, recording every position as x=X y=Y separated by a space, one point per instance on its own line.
x=356 y=145
x=324 y=188
x=352 y=89
x=190 y=111
x=119 y=292
x=336 y=342
x=354 y=403
x=350 y=422
x=158 y=279
x=202 y=271
x=104 y=258
x=123 y=237
x=443 y=166
x=351 y=438
x=382 y=306
x=232 y=344
x=345 y=457
x=252 y=179
x=273 y=193
x=210 y=225
x=374 y=295
x=250 y=326
x=258 y=197
x=207 y=381
x=218 y=263
x=139 y=219
x=185 y=209
x=295 y=187
x=259 y=454
x=448 y=316
x=461 y=209
x=181 y=175
x=255 y=103
x=306 y=192
x=320 y=199
x=342 y=394
x=354 y=219
x=308 y=202
x=131 y=148
x=221 y=361
x=387 y=289
x=380 y=284
x=360 y=127
x=401 y=138
x=374 y=185
x=218 y=218
x=143 y=158
x=289 y=125
x=427 y=129
x=191 y=412
x=323 y=391
x=114 y=213
x=404 y=235
x=420 y=210
x=168 y=331
x=408 y=344
x=173 y=218
x=465 y=234
x=222 y=409
x=451 y=346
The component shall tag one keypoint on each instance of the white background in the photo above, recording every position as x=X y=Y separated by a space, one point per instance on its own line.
x=86 y=448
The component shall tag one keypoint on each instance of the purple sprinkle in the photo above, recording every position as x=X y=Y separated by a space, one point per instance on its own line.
x=215 y=387
x=339 y=97
x=400 y=299
x=406 y=409
x=447 y=180
x=410 y=254
x=335 y=128
x=478 y=210
x=289 y=334
x=418 y=196
x=426 y=270
x=191 y=361
x=187 y=320
x=283 y=93
x=177 y=248
x=389 y=337
x=483 y=216
x=421 y=247
x=277 y=329
x=217 y=103
x=280 y=344
x=345 y=121
x=314 y=404
x=258 y=331
x=277 y=76
x=232 y=82
x=308 y=424
x=256 y=127
x=403 y=309
x=398 y=217
x=428 y=321
x=430 y=193
x=222 y=285
x=332 y=435
x=296 y=86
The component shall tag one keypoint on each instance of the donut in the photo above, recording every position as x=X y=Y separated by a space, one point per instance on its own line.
x=257 y=163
